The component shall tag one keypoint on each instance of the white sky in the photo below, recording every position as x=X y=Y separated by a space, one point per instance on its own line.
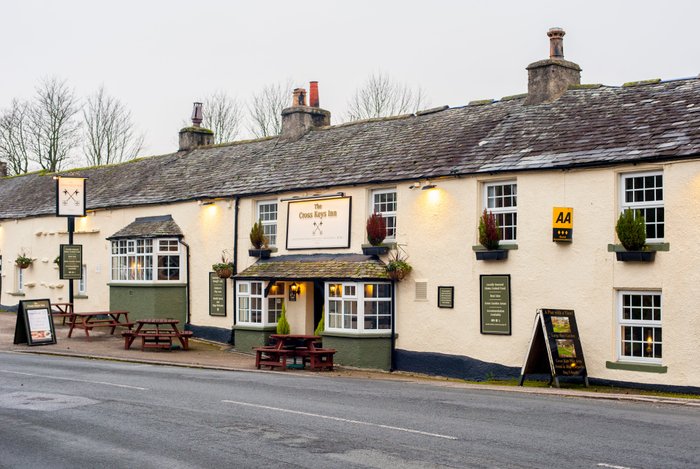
x=159 y=56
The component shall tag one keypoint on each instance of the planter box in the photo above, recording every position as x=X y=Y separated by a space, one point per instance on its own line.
x=369 y=250
x=261 y=253
x=491 y=255
x=635 y=256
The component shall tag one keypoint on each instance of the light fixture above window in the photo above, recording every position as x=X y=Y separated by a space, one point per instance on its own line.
x=414 y=185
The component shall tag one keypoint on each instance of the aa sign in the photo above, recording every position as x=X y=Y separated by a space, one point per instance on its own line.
x=562 y=224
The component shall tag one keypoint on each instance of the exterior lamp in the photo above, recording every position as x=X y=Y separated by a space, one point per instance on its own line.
x=293 y=291
x=428 y=186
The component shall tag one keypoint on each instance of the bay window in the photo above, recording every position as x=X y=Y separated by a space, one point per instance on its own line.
x=146 y=260
x=252 y=308
x=358 y=307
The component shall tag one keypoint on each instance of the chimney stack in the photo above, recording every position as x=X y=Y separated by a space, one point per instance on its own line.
x=549 y=79
x=298 y=119
x=195 y=136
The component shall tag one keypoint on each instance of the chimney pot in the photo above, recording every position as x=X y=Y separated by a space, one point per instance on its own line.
x=556 y=43
x=197 y=114
x=313 y=94
x=299 y=97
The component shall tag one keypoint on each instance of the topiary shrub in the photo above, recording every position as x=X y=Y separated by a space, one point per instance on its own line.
x=489 y=231
x=283 y=324
x=321 y=325
x=631 y=230
x=257 y=236
x=376 y=229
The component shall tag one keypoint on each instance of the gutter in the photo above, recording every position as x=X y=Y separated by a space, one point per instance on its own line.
x=392 y=360
x=235 y=261
x=187 y=285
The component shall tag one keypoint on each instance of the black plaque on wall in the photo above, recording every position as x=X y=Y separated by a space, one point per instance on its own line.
x=495 y=304
x=217 y=295
x=446 y=297
x=555 y=347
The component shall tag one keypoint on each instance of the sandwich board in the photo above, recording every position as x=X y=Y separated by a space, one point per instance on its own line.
x=34 y=324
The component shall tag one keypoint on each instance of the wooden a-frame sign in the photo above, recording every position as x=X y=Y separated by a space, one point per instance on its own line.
x=34 y=324
x=555 y=347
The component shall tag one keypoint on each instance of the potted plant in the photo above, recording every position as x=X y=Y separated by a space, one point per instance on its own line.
x=489 y=238
x=259 y=242
x=23 y=261
x=632 y=232
x=282 y=323
x=223 y=269
x=397 y=268
x=376 y=232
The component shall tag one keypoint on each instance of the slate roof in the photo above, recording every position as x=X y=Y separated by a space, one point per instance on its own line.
x=317 y=266
x=150 y=227
x=587 y=126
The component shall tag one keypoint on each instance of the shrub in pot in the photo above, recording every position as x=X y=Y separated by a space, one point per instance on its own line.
x=631 y=230
x=376 y=229
x=489 y=231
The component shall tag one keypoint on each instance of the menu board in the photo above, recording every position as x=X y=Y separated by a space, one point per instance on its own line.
x=71 y=262
x=217 y=295
x=556 y=339
x=446 y=297
x=495 y=304
x=34 y=324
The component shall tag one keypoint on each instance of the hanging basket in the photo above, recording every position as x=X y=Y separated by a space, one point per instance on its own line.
x=396 y=275
x=23 y=264
x=224 y=273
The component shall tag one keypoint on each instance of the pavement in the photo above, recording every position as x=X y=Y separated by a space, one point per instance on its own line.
x=217 y=356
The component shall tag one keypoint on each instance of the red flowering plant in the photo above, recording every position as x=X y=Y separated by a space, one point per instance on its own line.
x=489 y=231
x=376 y=229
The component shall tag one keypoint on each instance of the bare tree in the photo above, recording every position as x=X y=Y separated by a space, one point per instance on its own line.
x=14 y=137
x=380 y=96
x=266 y=109
x=54 y=128
x=110 y=135
x=222 y=114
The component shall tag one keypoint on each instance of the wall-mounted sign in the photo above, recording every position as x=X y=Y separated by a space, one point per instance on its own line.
x=319 y=223
x=70 y=196
x=71 y=262
x=562 y=224
x=34 y=324
x=217 y=295
x=495 y=304
x=555 y=347
x=446 y=297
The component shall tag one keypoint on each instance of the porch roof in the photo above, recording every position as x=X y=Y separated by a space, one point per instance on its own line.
x=316 y=266
x=150 y=227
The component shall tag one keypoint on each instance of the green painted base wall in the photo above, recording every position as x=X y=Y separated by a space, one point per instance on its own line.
x=362 y=352
x=168 y=301
x=245 y=340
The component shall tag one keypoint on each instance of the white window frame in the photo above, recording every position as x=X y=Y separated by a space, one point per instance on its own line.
x=358 y=299
x=82 y=283
x=645 y=205
x=147 y=250
x=501 y=212
x=653 y=324
x=269 y=225
x=245 y=295
x=388 y=215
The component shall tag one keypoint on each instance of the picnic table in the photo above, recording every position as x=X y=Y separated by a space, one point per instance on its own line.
x=88 y=321
x=292 y=346
x=62 y=310
x=157 y=333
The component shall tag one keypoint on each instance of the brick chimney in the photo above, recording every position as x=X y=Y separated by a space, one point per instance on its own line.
x=195 y=136
x=299 y=118
x=548 y=80
x=3 y=169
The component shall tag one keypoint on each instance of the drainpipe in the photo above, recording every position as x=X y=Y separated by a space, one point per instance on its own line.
x=392 y=364
x=235 y=261
x=187 y=286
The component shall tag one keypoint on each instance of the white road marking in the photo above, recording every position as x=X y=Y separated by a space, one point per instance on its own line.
x=76 y=380
x=612 y=466
x=339 y=419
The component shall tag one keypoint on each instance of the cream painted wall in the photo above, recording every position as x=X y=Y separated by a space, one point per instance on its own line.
x=438 y=228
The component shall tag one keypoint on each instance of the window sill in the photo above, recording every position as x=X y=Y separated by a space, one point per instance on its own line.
x=147 y=284
x=506 y=246
x=80 y=297
x=642 y=367
x=655 y=247
x=359 y=335
x=15 y=293
x=254 y=327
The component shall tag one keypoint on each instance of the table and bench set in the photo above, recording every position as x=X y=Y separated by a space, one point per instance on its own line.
x=293 y=346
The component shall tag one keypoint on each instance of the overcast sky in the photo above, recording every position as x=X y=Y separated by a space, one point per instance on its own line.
x=159 y=56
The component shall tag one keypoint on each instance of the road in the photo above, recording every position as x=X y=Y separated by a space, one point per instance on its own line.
x=64 y=412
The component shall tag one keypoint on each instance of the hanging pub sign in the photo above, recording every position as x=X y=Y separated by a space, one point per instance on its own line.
x=70 y=196
x=562 y=224
x=34 y=324
x=71 y=262
x=555 y=347
x=495 y=304
x=217 y=295
x=319 y=223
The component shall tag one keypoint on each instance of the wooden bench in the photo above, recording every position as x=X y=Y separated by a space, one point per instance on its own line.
x=320 y=358
x=152 y=338
x=272 y=357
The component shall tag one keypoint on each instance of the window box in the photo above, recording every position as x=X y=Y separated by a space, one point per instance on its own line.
x=261 y=253
x=369 y=250
x=635 y=256
x=491 y=255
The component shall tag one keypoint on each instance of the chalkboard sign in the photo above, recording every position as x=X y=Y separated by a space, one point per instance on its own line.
x=34 y=324
x=495 y=304
x=71 y=262
x=555 y=347
x=217 y=295
x=446 y=297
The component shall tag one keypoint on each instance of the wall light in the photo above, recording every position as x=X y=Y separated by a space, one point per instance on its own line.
x=428 y=186
x=203 y=202
x=415 y=185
